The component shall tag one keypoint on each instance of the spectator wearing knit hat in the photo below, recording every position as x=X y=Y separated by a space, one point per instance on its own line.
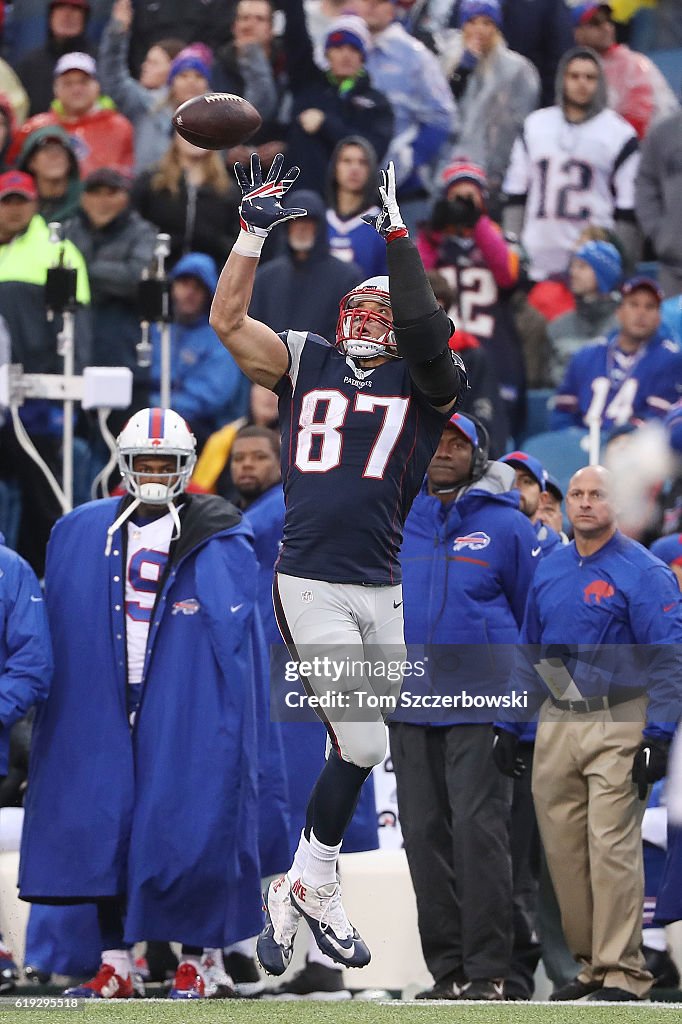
x=494 y=87
x=484 y=268
x=328 y=106
x=66 y=23
x=537 y=29
x=148 y=103
x=594 y=275
x=100 y=136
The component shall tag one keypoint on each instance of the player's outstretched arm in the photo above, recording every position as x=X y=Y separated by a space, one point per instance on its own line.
x=256 y=348
x=422 y=329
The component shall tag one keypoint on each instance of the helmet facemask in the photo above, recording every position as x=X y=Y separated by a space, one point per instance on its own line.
x=166 y=486
x=352 y=335
x=152 y=433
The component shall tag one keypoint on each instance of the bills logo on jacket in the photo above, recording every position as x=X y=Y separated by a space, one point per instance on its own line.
x=475 y=541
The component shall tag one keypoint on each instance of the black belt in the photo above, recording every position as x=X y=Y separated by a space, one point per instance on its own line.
x=581 y=707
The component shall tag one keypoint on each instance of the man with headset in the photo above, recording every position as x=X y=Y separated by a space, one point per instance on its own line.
x=468 y=558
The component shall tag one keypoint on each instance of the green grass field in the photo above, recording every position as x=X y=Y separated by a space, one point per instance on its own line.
x=354 y=1012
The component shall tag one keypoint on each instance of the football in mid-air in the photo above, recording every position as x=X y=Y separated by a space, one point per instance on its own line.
x=216 y=120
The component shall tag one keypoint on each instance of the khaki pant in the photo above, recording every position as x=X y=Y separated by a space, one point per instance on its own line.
x=590 y=817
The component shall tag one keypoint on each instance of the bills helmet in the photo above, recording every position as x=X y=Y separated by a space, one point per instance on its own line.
x=352 y=336
x=156 y=432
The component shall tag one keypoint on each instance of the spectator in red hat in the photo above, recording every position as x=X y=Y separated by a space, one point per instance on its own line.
x=495 y=89
x=634 y=374
x=637 y=89
x=66 y=22
x=101 y=136
x=484 y=268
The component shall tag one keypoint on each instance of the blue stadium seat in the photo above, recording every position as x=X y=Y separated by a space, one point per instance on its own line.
x=648 y=268
x=643 y=31
x=537 y=412
x=670 y=63
x=560 y=452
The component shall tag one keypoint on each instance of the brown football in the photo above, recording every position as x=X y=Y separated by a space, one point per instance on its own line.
x=216 y=120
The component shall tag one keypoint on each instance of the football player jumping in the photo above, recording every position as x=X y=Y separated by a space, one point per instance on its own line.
x=360 y=419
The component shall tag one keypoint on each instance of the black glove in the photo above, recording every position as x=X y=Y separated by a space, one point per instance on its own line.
x=505 y=746
x=650 y=764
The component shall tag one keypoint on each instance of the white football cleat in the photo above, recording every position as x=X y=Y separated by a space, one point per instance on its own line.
x=275 y=943
x=334 y=934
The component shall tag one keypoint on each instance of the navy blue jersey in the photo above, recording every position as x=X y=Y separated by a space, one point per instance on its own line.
x=355 y=447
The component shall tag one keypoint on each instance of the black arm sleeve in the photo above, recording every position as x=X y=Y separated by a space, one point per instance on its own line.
x=422 y=329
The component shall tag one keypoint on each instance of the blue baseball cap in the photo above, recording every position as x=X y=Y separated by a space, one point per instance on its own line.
x=633 y=284
x=466 y=427
x=582 y=12
x=668 y=549
x=553 y=486
x=522 y=460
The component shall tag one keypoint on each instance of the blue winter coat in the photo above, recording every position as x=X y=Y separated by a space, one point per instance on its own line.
x=467 y=567
x=266 y=516
x=25 y=650
x=168 y=813
x=303 y=743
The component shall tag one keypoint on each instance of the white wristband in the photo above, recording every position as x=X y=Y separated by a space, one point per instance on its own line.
x=248 y=244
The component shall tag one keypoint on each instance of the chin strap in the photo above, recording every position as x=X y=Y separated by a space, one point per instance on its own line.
x=117 y=523
x=127 y=512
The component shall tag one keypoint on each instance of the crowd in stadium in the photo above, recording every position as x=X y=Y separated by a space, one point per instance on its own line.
x=537 y=148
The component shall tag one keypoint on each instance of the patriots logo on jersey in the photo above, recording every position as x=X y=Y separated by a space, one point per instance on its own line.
x=475 y=541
